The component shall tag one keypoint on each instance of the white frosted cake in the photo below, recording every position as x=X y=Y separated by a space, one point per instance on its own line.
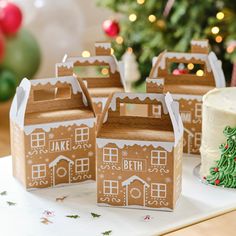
x=218 y=148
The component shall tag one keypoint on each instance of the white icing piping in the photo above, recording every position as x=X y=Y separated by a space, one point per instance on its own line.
x=201 y=43
x=133 y=178
x=101 y=59
x=140 y=96
x=90 y=122
x=187 y=97
x=186 y=56
x=99 y=99
x=103 y=45
x=66 y=64
x=65 y=79
x=157 y=81
x=59 y=158
x=102 y=142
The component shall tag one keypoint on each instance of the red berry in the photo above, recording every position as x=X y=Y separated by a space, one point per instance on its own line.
x=226 y=146
x=217 y=182
x=235 y=158
x=10 y=17
x=204 y=177
x=216 y=169
x=180 y=71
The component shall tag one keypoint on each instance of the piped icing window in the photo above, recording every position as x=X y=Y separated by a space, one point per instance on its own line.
x=110 y=154
x=81 y=134
x=158 y=157
x=38 y=171
x=158 y=190
x=198 y=110
x=197 y=139
x=82 y=165
x=110 y=187
x=37 y=140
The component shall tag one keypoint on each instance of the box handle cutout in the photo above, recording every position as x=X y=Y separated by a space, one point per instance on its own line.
x=92 y=71
x=58 y=93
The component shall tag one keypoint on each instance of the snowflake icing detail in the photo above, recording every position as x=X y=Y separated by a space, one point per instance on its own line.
x=124 y=153
x=90 y=154
x=51 y=135
x=101 y=176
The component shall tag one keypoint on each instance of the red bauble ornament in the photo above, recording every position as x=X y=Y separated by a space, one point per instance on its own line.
x=111 y=28
x=217 y=182
x=216 y=169
x=179 y=71
x=10 y=17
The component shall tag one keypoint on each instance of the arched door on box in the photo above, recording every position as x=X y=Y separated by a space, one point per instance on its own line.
x=135 y=190
x=60 y=170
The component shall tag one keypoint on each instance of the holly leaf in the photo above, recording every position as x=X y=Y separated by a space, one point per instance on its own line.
x=11 y=203
x=73 y=216
x=94 y=215
x=3 y=193
x=108 y=232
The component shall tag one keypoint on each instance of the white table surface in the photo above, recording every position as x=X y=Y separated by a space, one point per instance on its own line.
x=24 y=218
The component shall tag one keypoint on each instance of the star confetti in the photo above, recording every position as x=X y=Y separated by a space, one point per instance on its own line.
x=147 y=218
x=108 y=232
x=61 y=199
x=3 y=193
x=11 y=203
x=48 y=213
x=73 y=216
x=94 y=215
x=45 y=221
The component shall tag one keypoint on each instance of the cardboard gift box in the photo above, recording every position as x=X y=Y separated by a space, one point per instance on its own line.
x=102 y=73
x=53 y=127
x=139 y=158
x=202 y=72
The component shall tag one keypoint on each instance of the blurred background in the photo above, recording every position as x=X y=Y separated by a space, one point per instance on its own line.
x=36 y=34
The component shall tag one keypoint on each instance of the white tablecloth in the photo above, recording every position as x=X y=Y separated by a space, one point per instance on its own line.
x=24 y=218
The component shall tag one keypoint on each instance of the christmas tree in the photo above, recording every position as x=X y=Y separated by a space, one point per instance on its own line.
x=150 y=26
x=224 y=172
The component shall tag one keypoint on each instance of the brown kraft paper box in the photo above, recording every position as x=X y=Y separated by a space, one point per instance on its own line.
x=102 y=73
x=53 y=128
x=188 y=88
x=139 y=159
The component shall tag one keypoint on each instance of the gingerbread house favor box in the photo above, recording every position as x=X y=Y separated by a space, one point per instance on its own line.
x=139 y=158
x=52 y=133
x=188 y=76
x=102 y=73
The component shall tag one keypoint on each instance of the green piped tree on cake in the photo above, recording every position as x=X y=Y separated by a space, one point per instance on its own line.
x=224 y=172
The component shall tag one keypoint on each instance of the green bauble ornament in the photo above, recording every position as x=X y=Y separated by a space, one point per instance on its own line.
x=8 y=83
x=22 y=55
